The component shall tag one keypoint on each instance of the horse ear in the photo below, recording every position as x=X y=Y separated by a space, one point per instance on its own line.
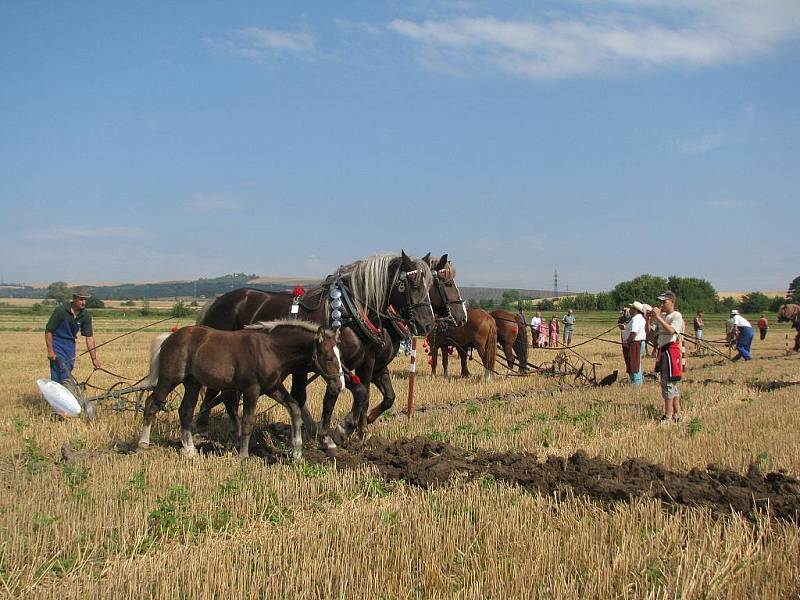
x=427 y=259
x=407 y=264
x=442 y=262
x=319 y=337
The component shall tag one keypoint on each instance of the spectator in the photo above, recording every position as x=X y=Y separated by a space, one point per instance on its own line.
x=634 y=342
x=542 y=333
x=743 y=333
x=763 y=325
x=554 y=331
x=61 y=335
x=569 y=327
x=699 y=324
x=536 y=322
x=669 y=327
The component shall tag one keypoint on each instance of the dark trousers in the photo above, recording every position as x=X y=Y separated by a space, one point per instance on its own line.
x=763 y=331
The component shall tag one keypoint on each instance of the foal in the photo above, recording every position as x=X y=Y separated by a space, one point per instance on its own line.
x=253 y=361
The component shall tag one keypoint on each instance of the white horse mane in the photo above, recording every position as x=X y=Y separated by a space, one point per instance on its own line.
x=370 y=281
x=272 y=325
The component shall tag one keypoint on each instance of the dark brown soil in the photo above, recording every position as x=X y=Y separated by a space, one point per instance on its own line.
x=426 y=463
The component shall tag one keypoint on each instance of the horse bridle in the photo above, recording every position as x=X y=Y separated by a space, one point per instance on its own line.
x=447 y=318
x=318 y=365
x=403 y=284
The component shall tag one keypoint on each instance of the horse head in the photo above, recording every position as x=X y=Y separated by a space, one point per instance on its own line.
x=409 y=296
x=327 y=359
x=445 y=296
x=789 y=312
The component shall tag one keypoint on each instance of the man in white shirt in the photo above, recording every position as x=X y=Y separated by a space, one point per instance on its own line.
x=669 y=327
x=634 y=342
x=536 y=323
x=743 y=333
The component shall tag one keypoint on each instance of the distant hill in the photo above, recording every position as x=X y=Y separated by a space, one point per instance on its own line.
x=208 y=288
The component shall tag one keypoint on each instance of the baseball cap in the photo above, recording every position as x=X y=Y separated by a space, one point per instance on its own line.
x=734 y=312
x=81 y=291
x=667 y=295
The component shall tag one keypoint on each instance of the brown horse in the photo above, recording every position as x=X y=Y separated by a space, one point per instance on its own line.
x=253 y=361
x=449 y=309
x=383 y=289
x=512 y=336
x=479 y=332
x=791 y=313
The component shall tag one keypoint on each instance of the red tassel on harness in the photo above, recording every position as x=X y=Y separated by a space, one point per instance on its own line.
x=298 y=291
x=355 y=379
x=174 y=328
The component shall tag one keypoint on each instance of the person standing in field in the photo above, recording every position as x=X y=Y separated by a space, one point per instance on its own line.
x=634 y=342
x=730 y=330
x=61 y=335
x=743 y=334
x=569 y=327
x=669 y=327
x=536 y=321
x=763 y=325
x=554 y=331
x=699 y=324
x=542 y=333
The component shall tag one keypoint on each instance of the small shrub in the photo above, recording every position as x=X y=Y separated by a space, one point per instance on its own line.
x=179 y=309
x=695 y=426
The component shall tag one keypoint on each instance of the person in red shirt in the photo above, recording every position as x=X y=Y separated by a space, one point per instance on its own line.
x=763 y=325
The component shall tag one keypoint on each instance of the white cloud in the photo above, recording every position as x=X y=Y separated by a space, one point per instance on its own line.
x=699 y=145
x=47 y=234
x=260 y=44
x=212 y=204
x=615 y=36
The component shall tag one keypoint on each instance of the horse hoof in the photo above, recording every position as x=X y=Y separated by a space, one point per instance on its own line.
x=297 y=455
x=330 y=451
x=339 y=435
x=143 y=445
x=188 y=453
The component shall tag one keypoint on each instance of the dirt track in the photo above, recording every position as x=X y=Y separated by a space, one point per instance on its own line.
x=425 y=462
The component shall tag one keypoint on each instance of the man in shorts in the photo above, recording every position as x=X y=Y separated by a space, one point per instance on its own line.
x=569 y=327
x=669 y=327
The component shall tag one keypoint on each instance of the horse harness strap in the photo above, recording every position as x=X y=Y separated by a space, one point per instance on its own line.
x=356 y=318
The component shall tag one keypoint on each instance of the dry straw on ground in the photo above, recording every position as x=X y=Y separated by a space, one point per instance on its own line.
x=114 y=523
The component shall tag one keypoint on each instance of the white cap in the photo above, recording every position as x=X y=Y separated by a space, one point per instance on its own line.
x=734 y=312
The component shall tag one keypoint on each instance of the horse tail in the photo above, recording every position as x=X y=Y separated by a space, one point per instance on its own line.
x=491 y=346
x=201 y=316
x=155 y=354
x=521 y=347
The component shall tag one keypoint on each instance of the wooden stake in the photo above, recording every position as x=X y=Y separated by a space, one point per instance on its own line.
x=787 y=344
x=412 y=375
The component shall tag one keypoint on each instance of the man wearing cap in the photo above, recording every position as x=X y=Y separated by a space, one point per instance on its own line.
x=61 y=335
x=569 y=327
x=743 y=333
x=634 y=342
x=669 y=327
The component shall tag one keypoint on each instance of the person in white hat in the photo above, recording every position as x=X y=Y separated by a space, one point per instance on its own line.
x=743 y=334
x=634 y=342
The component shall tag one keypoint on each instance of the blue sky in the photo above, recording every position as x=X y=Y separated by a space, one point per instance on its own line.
x=601 y=138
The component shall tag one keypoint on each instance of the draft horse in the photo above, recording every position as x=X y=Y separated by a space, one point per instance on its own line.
x=791 y=313
x=450 y=311
x=479 y=332
x=252 y=361
x=512 y=336
x=383 y=288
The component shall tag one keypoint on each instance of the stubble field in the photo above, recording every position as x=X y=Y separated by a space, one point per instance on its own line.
x=461 y=500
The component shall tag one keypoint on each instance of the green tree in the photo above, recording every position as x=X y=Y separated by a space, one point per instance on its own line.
x=693 y=293
x=145 y=310
x=179 y=309
x=727 y=303
x=643 y=288
x=604 y=301
x=775 y=303
x=510 y=297
x=754 y=302
x=546 y=304
x=794 y=290
x=59 y=291
x=94 y=302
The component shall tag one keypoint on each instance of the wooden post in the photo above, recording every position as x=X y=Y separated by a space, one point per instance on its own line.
x=412 y=375
x=787 y=344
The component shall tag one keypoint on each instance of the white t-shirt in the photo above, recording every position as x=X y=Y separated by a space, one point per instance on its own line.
x=740 y=321
x=675 y=320
x=636 y=325
x=535 y=322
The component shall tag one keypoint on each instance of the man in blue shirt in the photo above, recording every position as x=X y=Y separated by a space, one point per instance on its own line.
x=61 y=335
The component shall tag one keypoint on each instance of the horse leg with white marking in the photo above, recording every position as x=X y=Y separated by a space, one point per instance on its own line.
x=293 y=408
x=250 y=397
x=186 y=412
